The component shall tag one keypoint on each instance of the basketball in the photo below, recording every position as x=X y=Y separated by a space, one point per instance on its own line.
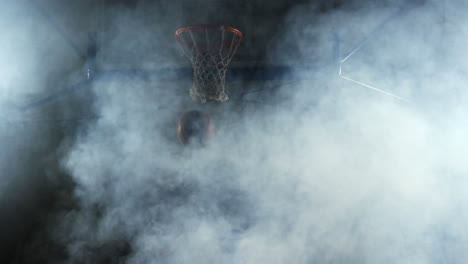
x=195 y=127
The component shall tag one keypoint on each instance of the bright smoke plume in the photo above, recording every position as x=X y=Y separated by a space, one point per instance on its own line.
x=32 y=58
x=324 y=171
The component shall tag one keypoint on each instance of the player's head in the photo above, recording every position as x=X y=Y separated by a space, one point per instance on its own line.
x=195 y=127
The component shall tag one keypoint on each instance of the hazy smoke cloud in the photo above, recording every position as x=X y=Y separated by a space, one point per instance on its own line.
x=324 y=171
x=33 y=61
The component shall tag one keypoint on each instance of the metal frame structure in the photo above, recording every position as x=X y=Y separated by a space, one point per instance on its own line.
x=252 y=73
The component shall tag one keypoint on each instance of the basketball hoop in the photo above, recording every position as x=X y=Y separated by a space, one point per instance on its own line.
x=210 y=49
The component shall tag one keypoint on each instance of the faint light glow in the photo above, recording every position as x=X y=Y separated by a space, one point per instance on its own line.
x=373 y=88
x=359 y=46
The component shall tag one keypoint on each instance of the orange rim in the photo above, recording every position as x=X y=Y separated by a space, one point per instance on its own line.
x=199 y=27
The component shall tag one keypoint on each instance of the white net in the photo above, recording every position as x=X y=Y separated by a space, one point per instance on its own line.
x=210 y=49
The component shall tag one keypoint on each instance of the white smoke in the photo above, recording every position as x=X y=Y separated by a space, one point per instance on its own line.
x=33 y=59
x=333 y=173
x=19 y=77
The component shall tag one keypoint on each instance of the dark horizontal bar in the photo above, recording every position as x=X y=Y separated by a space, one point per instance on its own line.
x=252 y=73
x=62 y=93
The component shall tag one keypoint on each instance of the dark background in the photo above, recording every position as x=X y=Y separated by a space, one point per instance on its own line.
x=31 y=207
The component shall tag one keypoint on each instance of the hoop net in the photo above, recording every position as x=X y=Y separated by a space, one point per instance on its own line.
x=210 y=49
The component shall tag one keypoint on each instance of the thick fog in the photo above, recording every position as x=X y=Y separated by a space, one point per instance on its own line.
x=322 y=170
x=32 y=59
